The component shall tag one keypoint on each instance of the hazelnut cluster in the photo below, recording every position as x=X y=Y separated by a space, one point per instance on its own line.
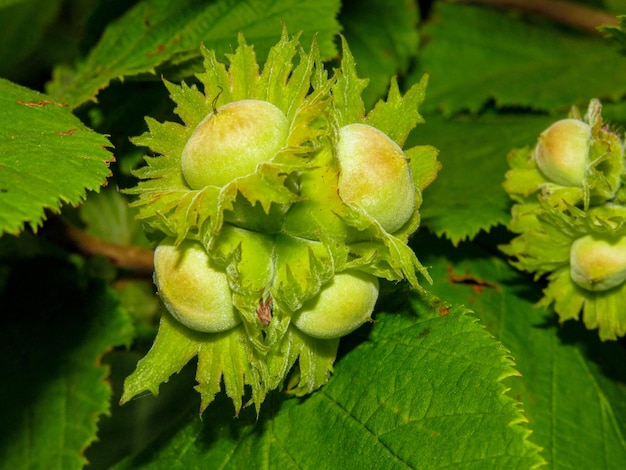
x=276 y=206
x=570 y=214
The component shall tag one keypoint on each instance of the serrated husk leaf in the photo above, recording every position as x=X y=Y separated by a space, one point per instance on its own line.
x=543 y=248
x=348 y=90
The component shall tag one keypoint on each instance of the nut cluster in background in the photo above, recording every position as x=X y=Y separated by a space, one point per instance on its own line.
x=570 y=214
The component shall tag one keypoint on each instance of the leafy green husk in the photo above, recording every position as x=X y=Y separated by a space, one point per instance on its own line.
x=543 y=248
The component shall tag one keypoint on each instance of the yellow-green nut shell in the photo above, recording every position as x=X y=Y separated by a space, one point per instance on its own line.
x=231 y=142
x=375 y=175
x=598 y=263
x=194 y=292
x=562 y=153
x=341 y=306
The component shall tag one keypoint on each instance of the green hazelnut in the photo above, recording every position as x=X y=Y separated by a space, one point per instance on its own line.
x=192 y=289
x=232 y=141
x=341 y=307
x=562 y=153
x=598 y=263
x=375 y=175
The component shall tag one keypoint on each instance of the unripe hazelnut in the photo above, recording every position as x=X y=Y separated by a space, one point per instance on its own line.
x=341 y=306
x=232 y=141
x=562 y=153
x=375 y=175
x=192 y=289
x=598 y=263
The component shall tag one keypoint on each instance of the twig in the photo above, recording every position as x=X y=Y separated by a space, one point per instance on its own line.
x=571 y=14
x=126 y=257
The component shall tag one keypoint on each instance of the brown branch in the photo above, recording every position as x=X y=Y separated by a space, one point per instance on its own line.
x=571 y=14
x=133 y=258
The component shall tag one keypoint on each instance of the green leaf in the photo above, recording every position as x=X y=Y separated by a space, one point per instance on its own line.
x=571 y=382
x=137 y=297
x=383 y=39
x=424 y=391
x=108 y=217
x=133 y=426
x=467 y=195
x=155 y=32
x=477 y=54
x=47 y=157
x=6 y=3
x=617 y=33
x=52 y=345
x=31 y=16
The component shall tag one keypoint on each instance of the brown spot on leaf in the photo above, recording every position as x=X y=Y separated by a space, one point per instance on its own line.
x=70 y=132
x=39 y=104
x=159 y=50
x=444 y=311
x=475 y=283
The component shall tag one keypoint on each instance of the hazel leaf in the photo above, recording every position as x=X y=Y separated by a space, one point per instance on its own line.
x=440 y=381
x=108 y=217
x=154 y=33
x=47 y=158
x=505 y=59
x=54 y=344
x=466 y=197
x=574 y=367
x=383 y=38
